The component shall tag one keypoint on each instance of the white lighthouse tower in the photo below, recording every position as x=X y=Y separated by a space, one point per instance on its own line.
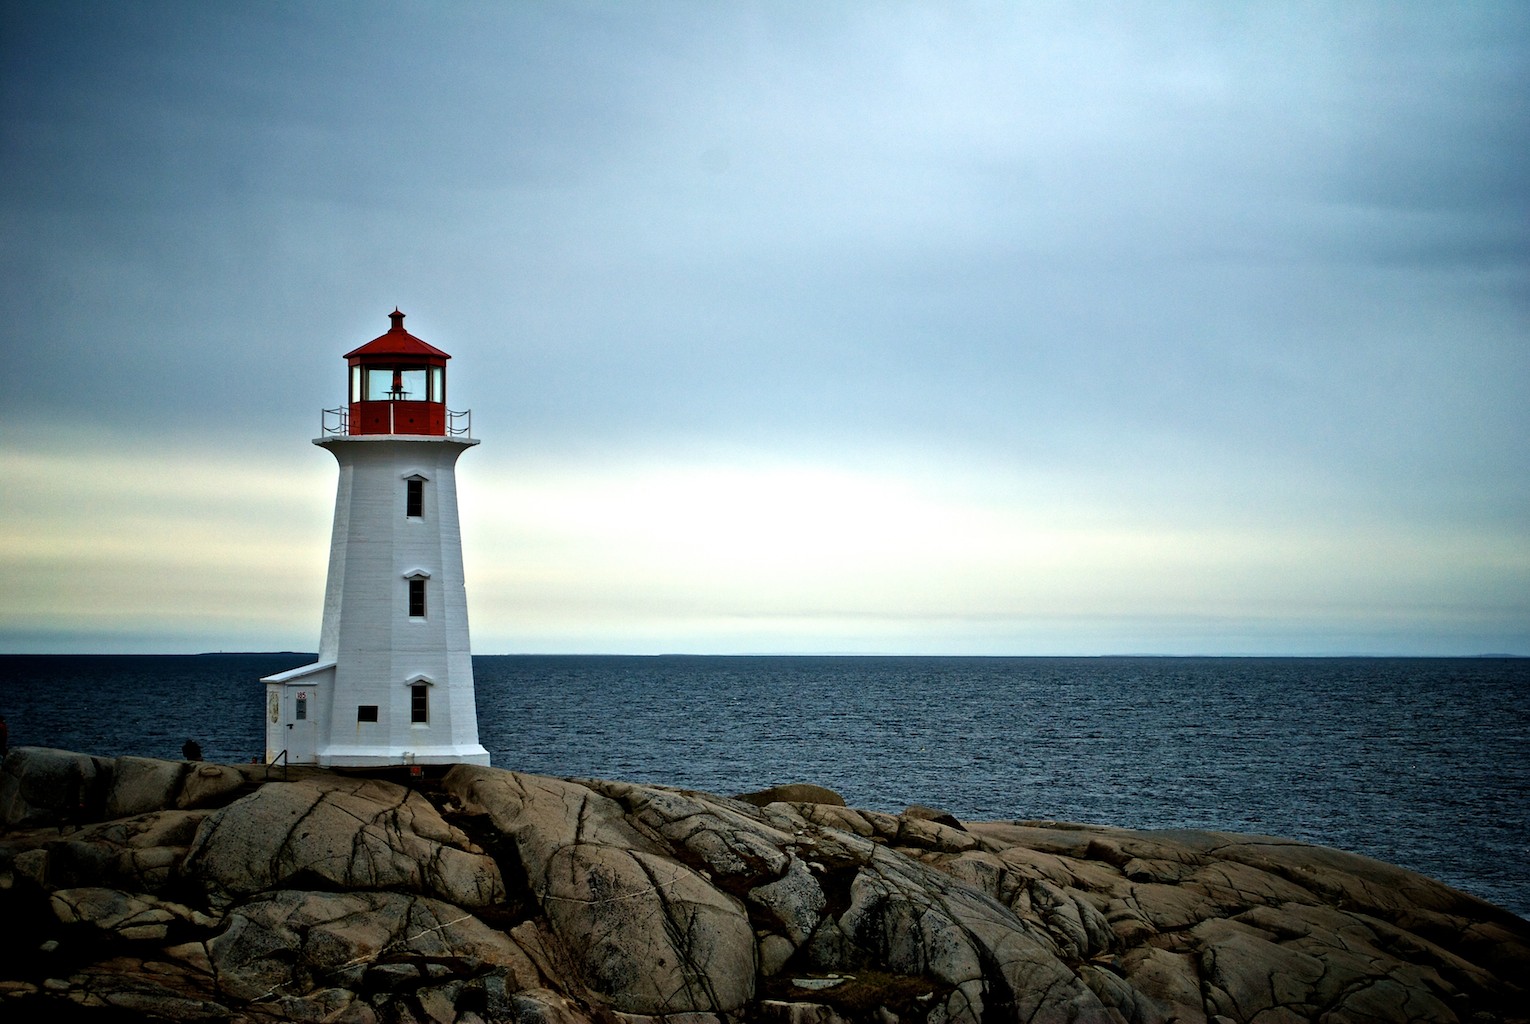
x=394 y=680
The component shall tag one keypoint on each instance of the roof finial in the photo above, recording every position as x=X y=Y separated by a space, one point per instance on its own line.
x=397 y=318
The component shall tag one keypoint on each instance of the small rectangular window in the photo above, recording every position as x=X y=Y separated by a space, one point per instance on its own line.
x=414 y=498
x=302 y=708
x=417 y=598
x=366 y=713
x=419 y=703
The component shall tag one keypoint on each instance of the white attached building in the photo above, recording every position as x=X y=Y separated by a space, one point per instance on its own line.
x=394 y=679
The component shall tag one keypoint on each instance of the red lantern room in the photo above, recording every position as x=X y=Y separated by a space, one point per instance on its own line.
x=398 y=385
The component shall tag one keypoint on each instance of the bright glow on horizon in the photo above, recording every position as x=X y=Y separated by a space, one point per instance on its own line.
x=719 y=557
x=733 y=557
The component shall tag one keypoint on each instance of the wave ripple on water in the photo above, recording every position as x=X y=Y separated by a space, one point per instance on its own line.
x=1421 y=762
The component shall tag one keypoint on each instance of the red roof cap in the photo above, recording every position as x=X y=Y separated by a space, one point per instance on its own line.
x=397 y=342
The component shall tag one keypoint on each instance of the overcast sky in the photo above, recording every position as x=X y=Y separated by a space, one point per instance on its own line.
x=799 y=327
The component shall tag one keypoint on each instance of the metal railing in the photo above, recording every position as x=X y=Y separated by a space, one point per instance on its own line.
x=337 y=422
x=282 y=757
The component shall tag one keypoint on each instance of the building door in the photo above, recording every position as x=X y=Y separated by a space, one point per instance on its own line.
x=299 y=713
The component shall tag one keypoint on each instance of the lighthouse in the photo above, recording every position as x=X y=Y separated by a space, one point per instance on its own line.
x=393 y=683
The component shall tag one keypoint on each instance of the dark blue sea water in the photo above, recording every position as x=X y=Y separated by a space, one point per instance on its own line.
x=1421 y=762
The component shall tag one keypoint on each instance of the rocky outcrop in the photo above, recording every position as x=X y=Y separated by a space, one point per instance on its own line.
x=137 y=889
x=338 y=833
x=45 y=786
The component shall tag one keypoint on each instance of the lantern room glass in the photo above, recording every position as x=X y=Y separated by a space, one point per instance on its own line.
x=397 y=384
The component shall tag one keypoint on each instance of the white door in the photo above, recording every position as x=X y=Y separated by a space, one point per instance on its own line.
x=299 y=714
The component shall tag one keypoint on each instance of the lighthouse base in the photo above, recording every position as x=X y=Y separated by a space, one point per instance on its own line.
x=382 y=757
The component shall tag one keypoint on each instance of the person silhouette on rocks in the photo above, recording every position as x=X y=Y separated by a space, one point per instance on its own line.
x=191 y=750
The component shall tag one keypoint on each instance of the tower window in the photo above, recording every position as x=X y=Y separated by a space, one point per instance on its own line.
x=417 y=598
x=366 y=713
x=419 y=703
x=414 y=497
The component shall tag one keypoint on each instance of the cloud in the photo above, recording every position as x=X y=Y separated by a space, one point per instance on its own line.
x=1179 y=284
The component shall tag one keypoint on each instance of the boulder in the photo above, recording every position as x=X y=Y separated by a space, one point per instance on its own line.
x=650 y=935
x=644 y=931
x=539 y=1006
x=297 y=943
x=793 y=793
x=921 y=812
x=128 y=916
x=917 y=921
x=143 y=784
x=44 y=786
x=349 y=833
x=140 y=854
x=794 y=902
x=208 y=785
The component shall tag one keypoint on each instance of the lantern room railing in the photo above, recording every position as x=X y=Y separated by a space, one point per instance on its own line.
x=337 y=423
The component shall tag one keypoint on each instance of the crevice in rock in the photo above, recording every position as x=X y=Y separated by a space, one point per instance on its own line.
x=283 y=851
x=836 y=883
x=520 y=903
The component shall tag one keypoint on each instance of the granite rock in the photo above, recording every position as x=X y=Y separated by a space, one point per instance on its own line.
x=793 y=793
x=348 y=833
x=40 y=784
x=188 y=892
x=44 y=785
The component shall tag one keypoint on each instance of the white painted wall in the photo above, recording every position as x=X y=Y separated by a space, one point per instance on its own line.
x=375 y=646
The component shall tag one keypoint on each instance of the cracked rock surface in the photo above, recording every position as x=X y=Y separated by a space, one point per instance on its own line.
x=135 y=889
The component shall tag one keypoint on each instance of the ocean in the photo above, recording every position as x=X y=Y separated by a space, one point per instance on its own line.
x=1421 y=762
